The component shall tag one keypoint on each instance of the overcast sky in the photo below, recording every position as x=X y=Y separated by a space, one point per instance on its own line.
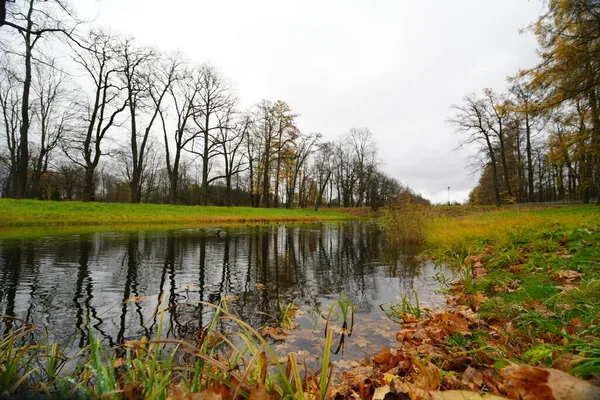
x=394 y=66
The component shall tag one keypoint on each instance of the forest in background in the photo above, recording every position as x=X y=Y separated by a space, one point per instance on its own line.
x=91 y=115
x=540 y=139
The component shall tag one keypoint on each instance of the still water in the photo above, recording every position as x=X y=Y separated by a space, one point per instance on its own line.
x=116 y=280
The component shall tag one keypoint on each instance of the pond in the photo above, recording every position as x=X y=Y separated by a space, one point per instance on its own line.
x=115 y=280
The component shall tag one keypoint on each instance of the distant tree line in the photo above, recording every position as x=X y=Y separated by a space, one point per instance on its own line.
x=93 y=116
x=540 y=140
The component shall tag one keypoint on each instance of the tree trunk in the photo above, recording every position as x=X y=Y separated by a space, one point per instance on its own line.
x=88 y=185
x=266 y=183
x=504 y=164
x=494 y=173
x=23 y=161
x=530 y=178
x=136 y=195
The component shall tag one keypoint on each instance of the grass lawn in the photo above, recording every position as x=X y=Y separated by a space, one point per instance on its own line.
x=533 y=277
x=462 y=233
x=39 y=213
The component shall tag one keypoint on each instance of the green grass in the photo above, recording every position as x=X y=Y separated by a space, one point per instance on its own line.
x=525 y=251
x=465 y=233
x=17 y=213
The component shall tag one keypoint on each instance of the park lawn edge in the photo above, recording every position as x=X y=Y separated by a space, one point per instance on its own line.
x=23 y=213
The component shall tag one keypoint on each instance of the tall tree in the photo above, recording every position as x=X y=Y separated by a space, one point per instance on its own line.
x=232 y=136
x=54 y=117
x=102 y=110
x=214 y=102
x=569 y=71
x=472 y=120
x=10 y=103
x=303 y=150
x=32 y=20
x=184 y=93
x=287 y=133
x=498 y=106
x=146 y=76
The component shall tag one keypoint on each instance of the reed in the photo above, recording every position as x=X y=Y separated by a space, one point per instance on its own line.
x=147 y=370
x=405 y=223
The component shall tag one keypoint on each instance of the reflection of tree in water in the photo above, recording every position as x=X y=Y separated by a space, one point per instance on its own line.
x=11 y=271
x=262 y=266
x=84 y=285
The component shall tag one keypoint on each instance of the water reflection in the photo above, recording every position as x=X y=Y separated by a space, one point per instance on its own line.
x=113 y=282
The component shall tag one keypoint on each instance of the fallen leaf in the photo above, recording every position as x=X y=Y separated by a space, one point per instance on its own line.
x=136 y=299
x=362 y=342
x=568 y=287
x=231 y=298
x=567 y=275
x=528 y=383
x=381 y=392
x=477 y=299
x=274 y=332
x=346 y=364
x=191 y=286
x=515 y=269
x=119 y=362
x=562 y=255
x=538 y=307
x=260 y=286
x=463 y=395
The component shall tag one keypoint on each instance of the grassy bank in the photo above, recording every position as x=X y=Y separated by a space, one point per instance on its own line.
x=468 y=231
x=523 y=313
x=39 y=213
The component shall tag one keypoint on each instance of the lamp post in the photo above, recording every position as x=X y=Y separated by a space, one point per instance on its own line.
x=448 y=195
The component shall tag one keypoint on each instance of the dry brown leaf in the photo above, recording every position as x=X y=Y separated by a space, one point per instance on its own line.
x=177 y=394
x=567 y=275
x=477 y=299
x=463 y=395
x=260 y=286
x=568 y=287
x=362 y=342
x=528 y=383
x=345 y=364
x=274 y=332
x=538 y=307
x=479 y=271
x=136 y=299
x=515 y=269
x=191 y=286
x=567 y=362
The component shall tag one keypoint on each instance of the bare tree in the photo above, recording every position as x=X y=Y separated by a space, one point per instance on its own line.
x=471 y=119
x=31 y=20
x=266 y=124
x=499 y=109
x=303 y=150
x=232 y=136
x=146 y=77
x=365 y=153
x=10 y=103
x=287 y=132
x=213 y=104
x=101 y=112
x=323 y=169
x=54 y=117
x=184 y=93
